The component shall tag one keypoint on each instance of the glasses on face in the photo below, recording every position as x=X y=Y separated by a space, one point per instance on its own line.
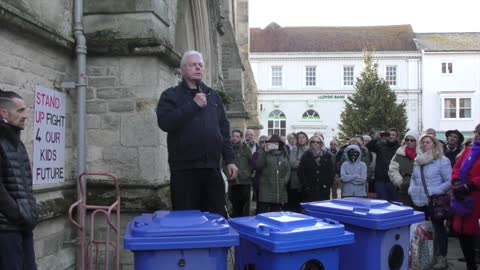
x=263 y=141
x=410 y=140
x=315 y=142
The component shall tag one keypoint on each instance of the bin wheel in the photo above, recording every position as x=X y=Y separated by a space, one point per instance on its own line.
x=313 y=265
x=395 y=258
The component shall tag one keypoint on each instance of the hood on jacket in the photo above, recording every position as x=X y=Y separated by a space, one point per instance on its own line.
x=355 y=148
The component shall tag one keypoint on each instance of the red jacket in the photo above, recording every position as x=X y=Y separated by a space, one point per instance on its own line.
x=468 y=225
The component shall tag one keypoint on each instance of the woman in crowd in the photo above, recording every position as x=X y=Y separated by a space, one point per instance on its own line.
x=466 y=199
x=274 y=164
x=432 y=166
x=401 y=166
x=316 y=171
x=296 y=153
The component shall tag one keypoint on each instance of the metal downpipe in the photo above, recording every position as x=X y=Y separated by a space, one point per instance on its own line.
x=81 y=87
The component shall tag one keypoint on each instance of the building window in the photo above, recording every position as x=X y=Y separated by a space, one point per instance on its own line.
x=311 y=115
x=348 y=75
x=447 y=67
x=457 y=108
x=311 y=76
x=277 y=76
x=391 y=75
x=277 y=123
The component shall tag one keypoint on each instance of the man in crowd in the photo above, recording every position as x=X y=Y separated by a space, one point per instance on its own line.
x=198 y=137
x=250 y=140
x=240 y=187
x=453 y=147
x=18 y=208
x=291 y=140
x=385 y=148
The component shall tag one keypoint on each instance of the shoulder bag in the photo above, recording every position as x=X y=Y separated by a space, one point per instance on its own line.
x=438 y=207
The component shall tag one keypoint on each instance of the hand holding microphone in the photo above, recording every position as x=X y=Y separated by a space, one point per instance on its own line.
x=201 y=100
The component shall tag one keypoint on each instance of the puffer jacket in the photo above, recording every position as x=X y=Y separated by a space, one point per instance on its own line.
x=438 y=175
x=275 y=173
x=18 y=207
x=400 y=170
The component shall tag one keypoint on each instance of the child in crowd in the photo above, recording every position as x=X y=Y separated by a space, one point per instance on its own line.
x=353 y=173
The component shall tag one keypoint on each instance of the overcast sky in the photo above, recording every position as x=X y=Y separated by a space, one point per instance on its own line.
x=423 y=15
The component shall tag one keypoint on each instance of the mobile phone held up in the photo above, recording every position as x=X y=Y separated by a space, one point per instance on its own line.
x=272 y=146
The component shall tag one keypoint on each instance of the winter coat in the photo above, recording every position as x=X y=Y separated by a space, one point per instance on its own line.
x=197 y=137
x=275 y=173
x=316 y=175
x=18 y=207
x=353 y=175
x=400 y=170
x=243 y=156
x=296 y=154
x=385 y=152
x=438 y=174
x=468 y=225
x=452 y=154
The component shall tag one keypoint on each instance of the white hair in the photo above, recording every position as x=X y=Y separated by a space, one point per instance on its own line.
x=188 y=54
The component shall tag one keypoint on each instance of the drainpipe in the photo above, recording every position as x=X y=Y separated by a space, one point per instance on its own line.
x=81 y=51
x=81 y=87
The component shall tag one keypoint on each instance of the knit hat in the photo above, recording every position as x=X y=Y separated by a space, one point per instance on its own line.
x=412 y=133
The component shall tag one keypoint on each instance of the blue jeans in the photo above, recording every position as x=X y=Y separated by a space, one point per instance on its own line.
x=16 y=250
x=386 y=191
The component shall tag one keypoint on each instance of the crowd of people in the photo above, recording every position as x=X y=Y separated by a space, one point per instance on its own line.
x=285 y=171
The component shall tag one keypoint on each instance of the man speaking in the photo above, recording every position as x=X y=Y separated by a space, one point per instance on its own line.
x=198 y=136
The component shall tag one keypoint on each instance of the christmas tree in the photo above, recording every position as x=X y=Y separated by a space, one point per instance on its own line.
x=373 y=106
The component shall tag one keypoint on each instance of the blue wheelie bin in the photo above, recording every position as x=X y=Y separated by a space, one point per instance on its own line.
x=288 y=241
x=186 y=240
x=381 y=231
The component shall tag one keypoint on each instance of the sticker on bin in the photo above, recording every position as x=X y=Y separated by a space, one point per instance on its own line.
x=287 y=231
x=179 y=229
x=369 y=213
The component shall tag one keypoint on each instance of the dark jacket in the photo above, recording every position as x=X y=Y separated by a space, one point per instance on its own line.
x=243 y=161
x=197 y=137
x=452 y=154
x=316 y=177
x=18 y=208
x=385 y=151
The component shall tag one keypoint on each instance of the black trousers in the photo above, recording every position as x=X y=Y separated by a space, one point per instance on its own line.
x=16 y=250
x=239 y=196
x=467 y=243
x=198 y=189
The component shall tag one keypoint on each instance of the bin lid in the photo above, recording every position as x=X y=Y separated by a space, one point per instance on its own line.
x=287 y=231
x=363 y=212
x=179 y=229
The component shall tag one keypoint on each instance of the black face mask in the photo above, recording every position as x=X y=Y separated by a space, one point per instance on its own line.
x=352 y=155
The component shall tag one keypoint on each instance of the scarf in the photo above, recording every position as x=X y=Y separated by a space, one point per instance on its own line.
x=469 y=162
x=411 y=153
x=465 y=207
x=424 y=158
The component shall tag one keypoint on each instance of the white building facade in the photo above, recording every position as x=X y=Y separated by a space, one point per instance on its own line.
x=451 y=81
x=306 y=90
